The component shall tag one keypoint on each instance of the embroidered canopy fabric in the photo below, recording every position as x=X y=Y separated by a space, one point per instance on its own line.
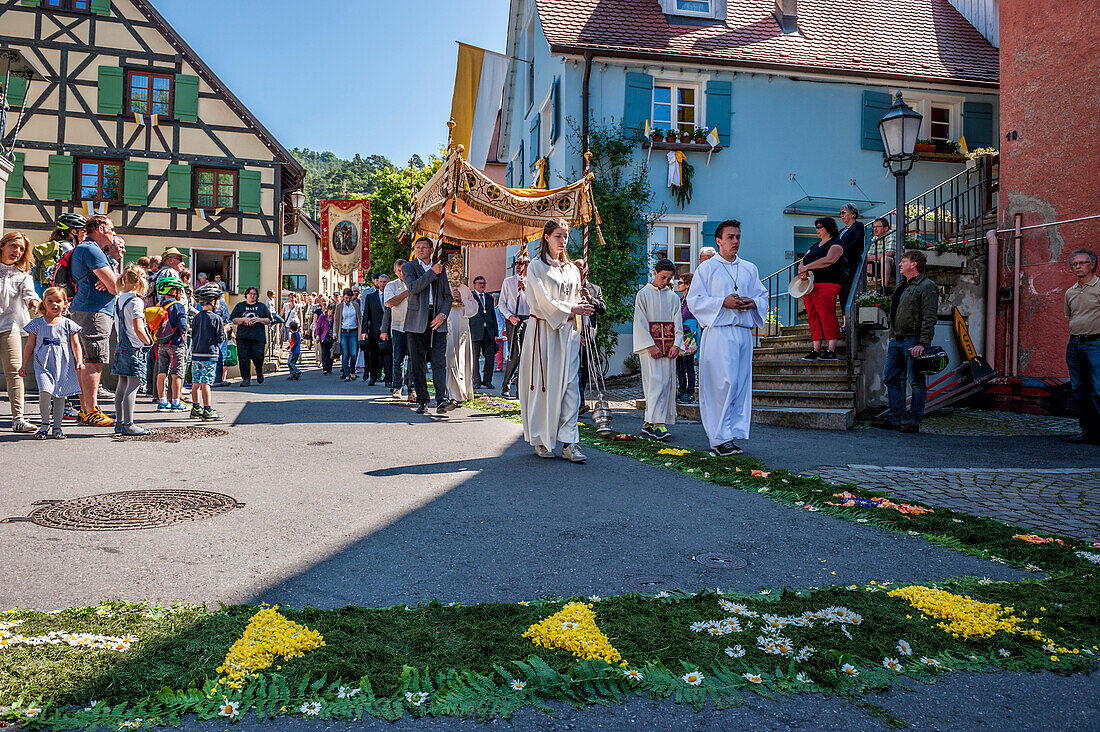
x=489 y=215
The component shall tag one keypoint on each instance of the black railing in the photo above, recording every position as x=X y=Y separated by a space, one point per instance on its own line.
x=952 y=212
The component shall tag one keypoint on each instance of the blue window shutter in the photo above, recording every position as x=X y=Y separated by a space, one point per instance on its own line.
x=978 y=124
x=709 y=227
x=875 y=105
x=508 y=176
x=719 y=108
x=639 y=101
x=555 y=109
x=519 y=181
x=535 y=152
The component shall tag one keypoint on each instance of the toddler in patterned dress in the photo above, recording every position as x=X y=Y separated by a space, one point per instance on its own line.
x=54 y=350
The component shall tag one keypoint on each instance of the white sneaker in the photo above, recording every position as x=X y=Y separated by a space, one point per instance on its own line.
x=543 y=451
x=396 y=394
x=573 y=453
x=21 y=425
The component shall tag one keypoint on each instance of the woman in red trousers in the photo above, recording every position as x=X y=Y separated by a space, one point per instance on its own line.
x=825 y=260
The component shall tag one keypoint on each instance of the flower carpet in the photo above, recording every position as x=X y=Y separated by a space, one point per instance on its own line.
x=131 y=665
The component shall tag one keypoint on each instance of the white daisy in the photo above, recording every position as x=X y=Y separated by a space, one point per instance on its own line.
x=417 y=698
x=763 y=490
x=594 y=598
x=850 y=669
x=1003 y=653
x=891 y=663
x=735 y=652
x=229 y=708
x=844 y=630
x=31 y=712
x=91 y=705
x=861 y=520
x=633 y=674
x=904 y=648
x=803 y=677
x=985 y=581
x=310 y=708
x=753 y=678
x=930 y=661
x=517 y=685
x=345 y=693
x=765 y=592
x=567 y=625
x=692 y=678
x=804 y=653
x=958 y=521
x=661 y=595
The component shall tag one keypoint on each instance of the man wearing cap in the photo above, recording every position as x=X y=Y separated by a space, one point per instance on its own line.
x=172 y=261
x=96 y=278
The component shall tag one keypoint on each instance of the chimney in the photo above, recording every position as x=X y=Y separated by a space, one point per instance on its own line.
x=786 y=14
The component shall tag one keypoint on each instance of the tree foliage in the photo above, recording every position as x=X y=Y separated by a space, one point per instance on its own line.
x=625 y=201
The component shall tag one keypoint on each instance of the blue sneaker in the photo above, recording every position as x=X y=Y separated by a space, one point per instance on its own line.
x=177 y=407
x=163 y=406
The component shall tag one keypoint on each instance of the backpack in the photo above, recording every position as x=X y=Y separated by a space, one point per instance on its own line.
x=63 y=274
x=160 y=325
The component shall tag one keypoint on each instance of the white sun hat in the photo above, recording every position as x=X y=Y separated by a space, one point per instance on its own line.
x=801 y=287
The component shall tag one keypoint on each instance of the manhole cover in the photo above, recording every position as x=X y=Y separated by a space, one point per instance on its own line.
x=647 y=583
x=128 y=510
x=713 y=560
x=173 y=434
x=318 y=443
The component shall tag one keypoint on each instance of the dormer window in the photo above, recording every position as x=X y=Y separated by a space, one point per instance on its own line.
x=694 y=6
x=695 y=9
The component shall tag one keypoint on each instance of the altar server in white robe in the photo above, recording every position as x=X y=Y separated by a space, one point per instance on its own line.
x=460 y=350
x=658 y=340
x=549 y=394
x=729 y=300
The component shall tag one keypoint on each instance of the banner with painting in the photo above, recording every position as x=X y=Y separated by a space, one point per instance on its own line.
x=345 y=235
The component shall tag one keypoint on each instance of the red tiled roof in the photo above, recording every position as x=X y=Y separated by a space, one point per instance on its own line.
x=899 y=38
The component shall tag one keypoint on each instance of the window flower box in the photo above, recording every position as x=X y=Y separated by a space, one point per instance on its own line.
x=873 y=316
x=946 y=260
x=685 y=146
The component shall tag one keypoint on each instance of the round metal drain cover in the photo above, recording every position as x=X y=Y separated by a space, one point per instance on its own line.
x=647 y=582
x=173 y=434
x=714 y=560
x=129 y=510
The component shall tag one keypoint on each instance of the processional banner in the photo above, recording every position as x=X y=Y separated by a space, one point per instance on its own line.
x=345 y=235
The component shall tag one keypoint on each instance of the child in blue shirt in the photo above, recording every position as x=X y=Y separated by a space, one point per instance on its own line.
x=294 y=347
x=207 y=334
x=172 y=351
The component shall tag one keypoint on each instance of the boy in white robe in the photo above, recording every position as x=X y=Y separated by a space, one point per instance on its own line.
x=729 y=300
x=658 y=340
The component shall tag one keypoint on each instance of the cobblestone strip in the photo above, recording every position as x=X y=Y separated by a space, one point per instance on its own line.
x=1058 y=501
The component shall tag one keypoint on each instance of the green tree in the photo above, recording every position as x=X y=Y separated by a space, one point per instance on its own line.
x=390 y=208
x=625 y=201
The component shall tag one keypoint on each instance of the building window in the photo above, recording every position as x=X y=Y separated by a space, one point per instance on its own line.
x=149 y=93
x=939 y=123
x=674 y=105
x=546 y=122
x=215 y=188
x=80 y=6
x=294 y=251
x=294 y=282
x=693 y=6
x=677 y=242
x=100 y=180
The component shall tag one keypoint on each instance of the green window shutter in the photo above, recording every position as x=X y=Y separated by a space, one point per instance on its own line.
x=59 y=186
x=133 y=254
x=184 y=251
x=187 y=98
x=179 y=186
x=978 y=124
x=101 y=7
x=875 y=105
x=709 y=229
x=248 y=191
x=719 y=108
x=110 y=90
x=135 y=183
x=536 y=153
x=248 y=270
x=14 y=187
x=17 y=91
x=32 y=3
x=555 y=109
x=639 y=101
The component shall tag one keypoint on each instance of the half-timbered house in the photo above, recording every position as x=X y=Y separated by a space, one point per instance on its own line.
x=132 y=122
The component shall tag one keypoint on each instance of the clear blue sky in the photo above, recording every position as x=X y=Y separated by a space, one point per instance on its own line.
x=365 y=76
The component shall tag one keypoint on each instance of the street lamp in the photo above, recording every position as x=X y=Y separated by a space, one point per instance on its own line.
x=899 y=129
x=19 y=72
x=297 y=199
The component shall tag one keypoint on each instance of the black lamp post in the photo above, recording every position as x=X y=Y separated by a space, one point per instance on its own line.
x=899 y=129
x=15 y=66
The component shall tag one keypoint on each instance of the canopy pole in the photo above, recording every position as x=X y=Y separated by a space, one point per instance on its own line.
x=412 y=211
x=438 y=256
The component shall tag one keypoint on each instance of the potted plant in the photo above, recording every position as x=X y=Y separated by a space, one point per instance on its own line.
x=924 y=145
x=871 y=309
x=701 y=135
x=657 y=135
x=685 y=136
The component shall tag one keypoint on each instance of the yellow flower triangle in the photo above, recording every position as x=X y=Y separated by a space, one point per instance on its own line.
x=573 y=629
x=268 y=634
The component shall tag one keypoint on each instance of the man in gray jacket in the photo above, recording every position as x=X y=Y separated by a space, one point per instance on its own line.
x=913 y=309
x=429 y=303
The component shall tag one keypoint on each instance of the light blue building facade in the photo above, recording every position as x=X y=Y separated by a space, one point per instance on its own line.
x=786 y=132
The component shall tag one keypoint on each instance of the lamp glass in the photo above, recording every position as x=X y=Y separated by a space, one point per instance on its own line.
x=297 y=199
x=899 y=129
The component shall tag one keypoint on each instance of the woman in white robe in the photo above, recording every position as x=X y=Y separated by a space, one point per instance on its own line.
x=549 y=393
x=460 y=350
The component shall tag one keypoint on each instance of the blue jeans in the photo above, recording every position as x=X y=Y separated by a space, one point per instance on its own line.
x=292 y=363
x=898 y=361
x=349 y=345
x=1083 y=360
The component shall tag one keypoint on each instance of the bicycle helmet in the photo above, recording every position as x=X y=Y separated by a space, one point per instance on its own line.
x=209 y=292
x=169 y=282
x=70 y=221
x=932 y=361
